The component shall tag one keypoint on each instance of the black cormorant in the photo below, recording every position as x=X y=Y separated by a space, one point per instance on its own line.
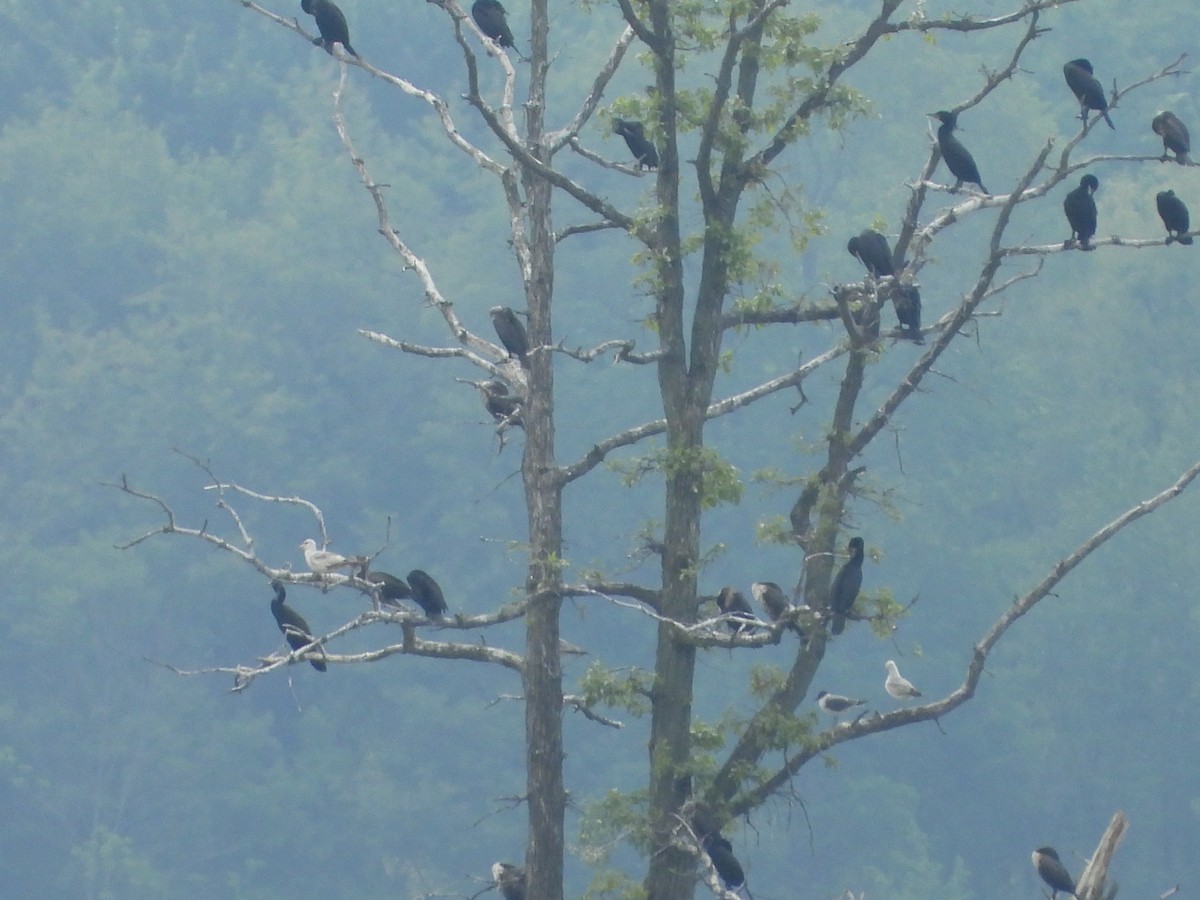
x=1174 y=215
x=293 y=626
x=331 y=23
x=1174 y=136
x=958 y=158
x=500 y=404
x=491 y=17
x=635 y=139
x=835 y=704
x=872 y=250
x=897 y=685
x=510 y=879
x=1052 y=871
x=733 y=604
x=1087 y=89
x=720 y=851
x=774 y=601
x=391 y=589
x=427 y=594
x=845 y=587
x=511 y=333
x=907 y=301
x=1080 y=208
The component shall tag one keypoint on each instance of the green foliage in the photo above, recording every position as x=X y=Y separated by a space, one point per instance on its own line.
x=617 y=817
x=719 y=481
x=628 y=690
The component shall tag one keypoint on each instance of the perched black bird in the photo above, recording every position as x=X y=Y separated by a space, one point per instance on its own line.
x=872 y=250
x=720 y=851
x=510 y=879
x=427 y=594
x=331 y=23
x=907 y=300
x=846 y=585
x=1174 y=134
x=635 y=139
x=511 y=333
x=958 y=158
x=774 y=601
x=391 y=589
x=733 y=604
x=491 y=17
x=1174 y=215
x=1046 y=861
x=502 y=406
x=1087 y=89
x=292 y=624
x=835 y=704
x=1080 y=208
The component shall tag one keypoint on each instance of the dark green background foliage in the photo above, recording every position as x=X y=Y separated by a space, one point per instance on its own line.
x=186 y=259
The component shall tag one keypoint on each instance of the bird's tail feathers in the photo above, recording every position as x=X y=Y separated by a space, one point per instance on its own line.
x=1104 y=112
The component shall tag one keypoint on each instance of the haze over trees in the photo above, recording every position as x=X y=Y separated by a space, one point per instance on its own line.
x=713 y=395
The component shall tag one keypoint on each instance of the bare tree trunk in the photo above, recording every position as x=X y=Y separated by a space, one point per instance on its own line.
x=543 y=498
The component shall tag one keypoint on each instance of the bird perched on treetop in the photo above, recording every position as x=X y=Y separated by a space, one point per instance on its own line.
x=492 y=19
x=331 y=23
x=511 y=333
x=635 y=139
x=897 y=685
x=835 y=704
x=846 y=585
x=1174 y=215
x=1053 y=872
x=958 y=159
x=733 y=604
x=325 y=561
x=510 y=879
x=427 y=594
x=1174 y=136
x=774 y=601
x=1080 y=207
x=1087 y=89
x=291 y=623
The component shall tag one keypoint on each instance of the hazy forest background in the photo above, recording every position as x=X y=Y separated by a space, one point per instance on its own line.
x=187 y=258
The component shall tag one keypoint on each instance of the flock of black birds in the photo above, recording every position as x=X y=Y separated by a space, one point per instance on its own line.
x=871 y=249
x=420 y=588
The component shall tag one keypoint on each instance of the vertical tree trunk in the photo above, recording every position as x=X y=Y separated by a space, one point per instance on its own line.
x=543 y=499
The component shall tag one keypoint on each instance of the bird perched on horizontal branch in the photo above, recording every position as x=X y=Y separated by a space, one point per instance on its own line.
x=331 y=23
x=1174 y=134
x=1080 y=208
x=325 y=561
x=731 y=603
x=774 y=602
x=295 y=630
x=391 y=589
x=492 y=19
x=958 y=158
x=427 y=594
x=511 y=333
x=1087 y=89
x=897 y=686
x=637 y=142
x=836 y=704
x=1174 y=215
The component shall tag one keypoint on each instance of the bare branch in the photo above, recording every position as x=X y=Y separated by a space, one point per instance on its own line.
x=578 y=703
x=872 y=724
x=556 y=140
